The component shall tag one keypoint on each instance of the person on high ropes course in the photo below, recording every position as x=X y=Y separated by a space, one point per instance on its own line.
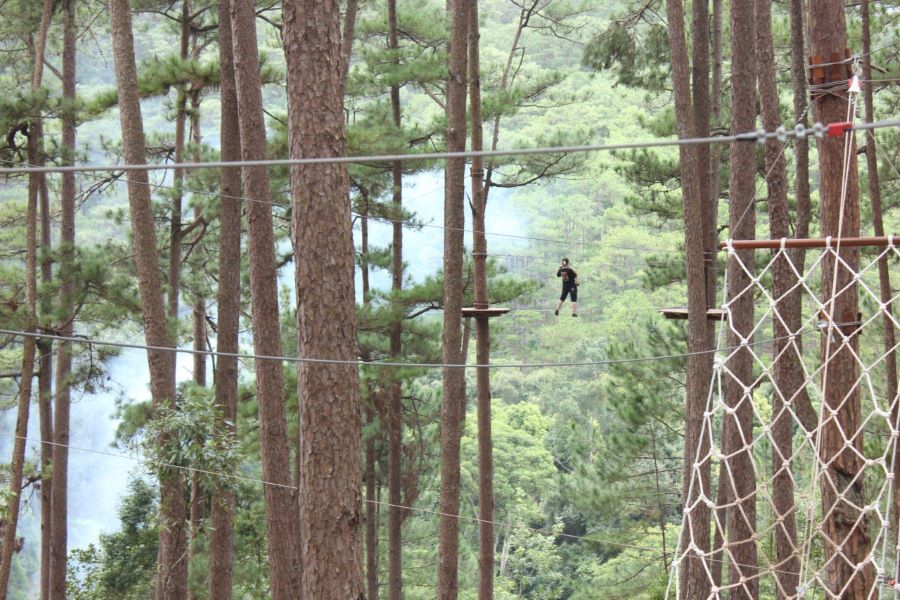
x=569 y=286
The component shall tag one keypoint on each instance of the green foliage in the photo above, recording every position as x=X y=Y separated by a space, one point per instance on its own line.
x=122 y=564
x=185 y=437
x=635 y=46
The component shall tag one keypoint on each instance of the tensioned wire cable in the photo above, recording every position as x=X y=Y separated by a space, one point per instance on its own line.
x=800 y=130
x=408 y=223
x=363 y=363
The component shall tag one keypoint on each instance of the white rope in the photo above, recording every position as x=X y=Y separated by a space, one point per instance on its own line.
x=845 y=177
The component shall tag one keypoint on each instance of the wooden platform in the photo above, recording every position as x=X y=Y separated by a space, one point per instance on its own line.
x=492 y=311
x=712 y=314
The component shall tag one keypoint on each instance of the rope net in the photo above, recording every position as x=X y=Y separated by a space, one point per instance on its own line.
x=791 y=491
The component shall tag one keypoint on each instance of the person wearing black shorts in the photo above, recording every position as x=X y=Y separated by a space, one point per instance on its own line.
x=569 y=287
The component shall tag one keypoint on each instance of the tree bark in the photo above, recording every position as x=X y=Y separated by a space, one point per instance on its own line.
x=717 y=153
x=802 y=403
x=8 y=546
x=371 y=515
x=175 y=233
x=347 y=39
x=37 y=185
x=482 y=325
x=281 y=509
x=841 y=481
x=371 y=482
x=701 y=109
x=738 y=392
x=884 y=277
x=693 y=580
x=788 y=366
x=221 y=542
x=395 y=406
x=198 y=511
x=801 y=144
x=718 y=562
x=172 y=577
x=454 y=382
x=17 y=463
x=329 y=416
x=59 y=491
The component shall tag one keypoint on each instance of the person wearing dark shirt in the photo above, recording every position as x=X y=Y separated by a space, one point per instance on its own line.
x=569 y=286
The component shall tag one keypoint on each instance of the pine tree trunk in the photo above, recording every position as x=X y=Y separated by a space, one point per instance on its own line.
x=884 y=277
x=172 y=576
x=17 y=462
x=716 y=156
x=175 y=233
x=789 y=376
x=720 y=516
x=738 y=393
x=198 y=496
x=802 y=403
x=454 y=383
x=693 y=580
x=8 y=545
x=395 y=401
x=371 y=515
x=329 y=416
x=45 y=410
x=59 y=492
x=371 y=483
x=281 y=510
x=221 y=542
x=347 y=38
x=482 y=325
x=37 y=185
x=841 y=485
x=801 y=146
x=701 y=110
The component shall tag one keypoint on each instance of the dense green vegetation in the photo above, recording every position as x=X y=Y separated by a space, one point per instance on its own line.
x=587 y=459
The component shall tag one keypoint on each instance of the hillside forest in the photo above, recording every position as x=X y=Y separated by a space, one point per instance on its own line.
x=339 y=370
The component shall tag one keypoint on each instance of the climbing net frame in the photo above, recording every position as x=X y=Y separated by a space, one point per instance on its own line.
x=794 y=473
